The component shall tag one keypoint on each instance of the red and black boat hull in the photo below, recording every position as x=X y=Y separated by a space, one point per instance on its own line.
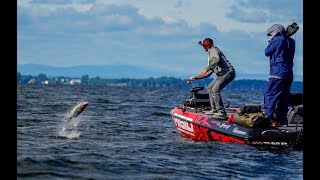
x=201 y=127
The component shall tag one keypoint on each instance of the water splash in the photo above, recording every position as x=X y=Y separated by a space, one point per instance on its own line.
x=70 y=130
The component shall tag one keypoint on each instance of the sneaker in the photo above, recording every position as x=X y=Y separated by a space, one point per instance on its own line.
x=220 y=115
x=212 y=111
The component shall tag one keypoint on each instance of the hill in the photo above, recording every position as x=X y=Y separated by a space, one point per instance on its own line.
x=116 y=71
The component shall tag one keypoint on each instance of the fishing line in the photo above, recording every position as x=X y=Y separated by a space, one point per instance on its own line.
x=165 y=87
x=228 y=101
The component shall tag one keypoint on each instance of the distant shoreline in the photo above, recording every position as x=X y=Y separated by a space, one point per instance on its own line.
x=243 y=84
x=121 y=72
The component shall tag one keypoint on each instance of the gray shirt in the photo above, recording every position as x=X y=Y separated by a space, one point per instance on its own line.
x=217 y=62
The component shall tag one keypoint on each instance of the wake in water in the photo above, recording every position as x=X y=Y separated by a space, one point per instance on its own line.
x=71 y=121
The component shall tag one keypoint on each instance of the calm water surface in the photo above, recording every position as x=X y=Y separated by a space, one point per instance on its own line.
x=126 y=133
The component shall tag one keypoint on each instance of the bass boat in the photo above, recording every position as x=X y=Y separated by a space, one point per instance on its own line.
x=192 y=122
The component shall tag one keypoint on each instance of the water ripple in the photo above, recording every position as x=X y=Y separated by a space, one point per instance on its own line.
x=126 y=133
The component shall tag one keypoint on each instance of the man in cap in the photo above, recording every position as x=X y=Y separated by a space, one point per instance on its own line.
x=225 y=73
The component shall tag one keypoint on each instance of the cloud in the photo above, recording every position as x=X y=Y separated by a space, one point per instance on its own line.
x=56 y=2
x=254 y=11
x=104 y=33
x=85 y=1
x=180 y=4
x=60 y=2
x=247 y=16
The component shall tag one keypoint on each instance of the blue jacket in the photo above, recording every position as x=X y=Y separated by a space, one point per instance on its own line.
x=281 y=49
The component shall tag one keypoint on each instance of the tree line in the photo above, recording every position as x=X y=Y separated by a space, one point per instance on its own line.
x=243 y=84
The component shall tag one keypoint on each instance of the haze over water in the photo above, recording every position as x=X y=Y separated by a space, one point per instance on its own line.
x=126 y=133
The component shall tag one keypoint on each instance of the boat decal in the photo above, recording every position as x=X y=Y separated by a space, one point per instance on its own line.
x=271 y=131
x=186 y=132
x=183 y=125
x=274 y=143
x=203 y=121
x=225 y=126
x=182 y=117
x=216 y=122
x=225 y=138
x=203 y=133
x=236 y=130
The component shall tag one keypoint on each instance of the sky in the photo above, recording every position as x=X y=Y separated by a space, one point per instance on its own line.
x=153 y=34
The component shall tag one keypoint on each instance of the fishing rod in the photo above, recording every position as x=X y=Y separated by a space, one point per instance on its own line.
x=166 y=87
x=188 y=81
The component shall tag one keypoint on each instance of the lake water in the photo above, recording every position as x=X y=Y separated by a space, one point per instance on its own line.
x=128 y=133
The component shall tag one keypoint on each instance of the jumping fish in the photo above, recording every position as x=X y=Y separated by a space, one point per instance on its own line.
x=76 y=110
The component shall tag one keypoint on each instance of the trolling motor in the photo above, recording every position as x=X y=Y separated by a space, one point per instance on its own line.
x=198 y=100
x=194 y=93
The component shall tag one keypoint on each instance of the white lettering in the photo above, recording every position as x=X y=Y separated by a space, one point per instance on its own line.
x=235 y=130
x=182 y=117
x=183 y=124
x=223 y=125
x=270 y=143
x=276 y=143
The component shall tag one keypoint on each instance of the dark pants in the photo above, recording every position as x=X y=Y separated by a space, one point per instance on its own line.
x=215 y=87
x=277 y=98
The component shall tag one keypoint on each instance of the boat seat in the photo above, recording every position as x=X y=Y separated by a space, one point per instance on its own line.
x=195 y=93
x=295 y=114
